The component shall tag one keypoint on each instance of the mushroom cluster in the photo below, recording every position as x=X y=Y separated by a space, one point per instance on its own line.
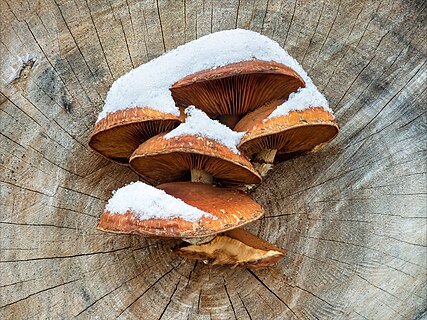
x=204 y=123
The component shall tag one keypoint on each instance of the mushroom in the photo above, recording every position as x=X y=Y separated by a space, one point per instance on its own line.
x=118 y=134
x=201 y=147
x=230 y=91
x=303 y=123
x=236 y=248
x=177 y=210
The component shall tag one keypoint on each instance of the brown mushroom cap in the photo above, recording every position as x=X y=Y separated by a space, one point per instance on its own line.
x=231 y=209
x=237 y=248
x=297 y=131
x=118 y=134
x=256 y=116
x=237 y=88
x=165 y=160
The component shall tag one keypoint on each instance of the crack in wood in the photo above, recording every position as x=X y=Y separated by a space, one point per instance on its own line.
x=263 y=18
x=237 y=14
x=123 y=32
x=315 y=32
x=38 y=292
x=66 y=256
x=327 y=36
x=362 y=246
x=290 y=24
x=74 y=40
x=161 y=25
x=170 y=300
x=229 y=299
x=314 y=295
x=83 y=193
x=386 y=104
x=99 y=40
x=37 y=225
x=342 y=58
x=145 y=291
x=244 y=306
x=18 y=282
x=25 y=188
x=271 y=291
x=111 y=291
x=191 y=273
x=50 y=63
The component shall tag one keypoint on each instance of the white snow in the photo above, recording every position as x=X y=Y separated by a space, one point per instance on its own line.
x=148 y=202
x=304 y=98
x=198 y=123
x=148 y=85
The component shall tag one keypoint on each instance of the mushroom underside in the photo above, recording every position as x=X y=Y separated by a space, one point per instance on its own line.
x=295 y=140
x=237 y=94
x=236 y=248
x=177 y=166
x=119 y=142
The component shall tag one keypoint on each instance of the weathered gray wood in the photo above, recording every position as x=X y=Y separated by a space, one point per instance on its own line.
x=353 y=215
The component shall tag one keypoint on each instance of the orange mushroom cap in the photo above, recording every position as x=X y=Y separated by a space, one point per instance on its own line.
x=171 y=159
x=118 y=134
x=237 y=88
x=297 y=131
x=227 y=209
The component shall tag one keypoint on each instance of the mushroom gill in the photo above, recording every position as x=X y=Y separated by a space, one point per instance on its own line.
x=236 y=248
x=118 y=134
x=237 y=88
x=166 y=160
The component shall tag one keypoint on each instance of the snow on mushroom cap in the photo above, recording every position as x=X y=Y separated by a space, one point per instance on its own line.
x=147 y=202
x=148 y=85
x=304 y=98
x=199 y=124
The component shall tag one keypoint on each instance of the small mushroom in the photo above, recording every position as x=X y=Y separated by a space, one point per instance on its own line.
x=292 y=130
x=177 y=210
x=117 y=135
x=236 y=248
x=230 y=91
x=192 y=149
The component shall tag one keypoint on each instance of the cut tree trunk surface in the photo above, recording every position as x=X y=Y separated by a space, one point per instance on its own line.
x=352 y=216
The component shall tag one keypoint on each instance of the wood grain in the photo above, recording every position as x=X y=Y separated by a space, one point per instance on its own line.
x=352 y=216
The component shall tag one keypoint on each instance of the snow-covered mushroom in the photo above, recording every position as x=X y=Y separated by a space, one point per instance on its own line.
x=230 y=91
x=302 y=123
x=200 y=147
x=119 y=133
x=177 y=210
x=236 y=248
x=231 y=53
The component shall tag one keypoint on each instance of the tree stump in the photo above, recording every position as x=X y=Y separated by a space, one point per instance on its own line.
x=352 y=215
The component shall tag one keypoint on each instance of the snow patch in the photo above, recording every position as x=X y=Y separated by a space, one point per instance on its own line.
x=199 y=124
x=304 y=98
x=148 y=202
x=148 y=85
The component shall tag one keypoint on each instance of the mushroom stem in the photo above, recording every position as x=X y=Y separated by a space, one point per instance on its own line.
x=263 y=161
x=202 y=176
x=230 y=120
